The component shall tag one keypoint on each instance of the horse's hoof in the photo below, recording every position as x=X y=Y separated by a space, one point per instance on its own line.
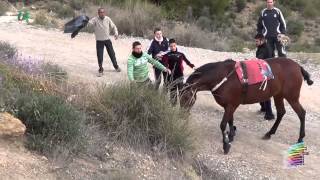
x=226 y=148
x=266 y=137
x=300 y=140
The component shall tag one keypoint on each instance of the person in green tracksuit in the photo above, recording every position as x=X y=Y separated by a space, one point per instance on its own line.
x=138 y=70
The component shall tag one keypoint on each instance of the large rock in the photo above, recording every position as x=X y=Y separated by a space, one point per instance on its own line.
x=11 y=126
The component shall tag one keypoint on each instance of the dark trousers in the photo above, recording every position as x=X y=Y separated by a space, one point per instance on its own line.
x=275 y=44
x=158 y=79
x=266 y=107
x=100 y=48
x=175 y=86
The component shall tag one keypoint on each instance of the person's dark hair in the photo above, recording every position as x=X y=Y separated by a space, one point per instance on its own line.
x=172 y=41
x=135 y=44
x=156 y=29
x=259 y=36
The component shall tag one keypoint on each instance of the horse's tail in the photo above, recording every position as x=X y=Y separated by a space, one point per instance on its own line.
x=306 y=76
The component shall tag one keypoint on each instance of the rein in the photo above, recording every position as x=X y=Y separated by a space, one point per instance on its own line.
x=222 y=81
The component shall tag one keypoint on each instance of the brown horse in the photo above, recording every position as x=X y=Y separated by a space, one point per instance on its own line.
x=220 y=78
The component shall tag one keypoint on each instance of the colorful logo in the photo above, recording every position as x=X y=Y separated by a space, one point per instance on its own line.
x=295 y=155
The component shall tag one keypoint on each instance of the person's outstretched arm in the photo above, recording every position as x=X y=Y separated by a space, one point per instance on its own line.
x=130 y=69
x=187 y=61
x=156 y=63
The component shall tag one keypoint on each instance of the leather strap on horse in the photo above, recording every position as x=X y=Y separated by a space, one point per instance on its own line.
x=245 y=80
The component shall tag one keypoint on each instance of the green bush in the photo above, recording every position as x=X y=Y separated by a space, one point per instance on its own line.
x=240 y=4
x=78 y=4
x=3 y=8
x=295 y=27
x=65 y=12
x=317 y=41
x=7 y=50
x=136 y=19
x=51 y=123
x=54 y=6
x=142 y=117
x=54 y=72
x=310 y=11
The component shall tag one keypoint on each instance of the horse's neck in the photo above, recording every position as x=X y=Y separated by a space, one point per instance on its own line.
x=219 y=78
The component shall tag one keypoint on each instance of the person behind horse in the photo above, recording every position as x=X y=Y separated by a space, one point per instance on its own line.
x=174 y=61
x=264 y=52
x=271 y=24
x=158 y=47
x=138 y=70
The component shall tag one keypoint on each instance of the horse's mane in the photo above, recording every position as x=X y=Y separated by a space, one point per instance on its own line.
x=205 y=68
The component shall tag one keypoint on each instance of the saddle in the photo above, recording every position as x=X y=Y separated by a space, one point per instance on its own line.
x=253 y=71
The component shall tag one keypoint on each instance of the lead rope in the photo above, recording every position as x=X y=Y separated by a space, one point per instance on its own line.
x=222 y=81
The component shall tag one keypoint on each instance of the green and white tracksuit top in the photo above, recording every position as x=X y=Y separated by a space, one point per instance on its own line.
x=138 y=67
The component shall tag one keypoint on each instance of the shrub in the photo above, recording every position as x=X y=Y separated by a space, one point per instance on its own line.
x=50 y=122
x=317 y=41
x=7 y=50
x=136 y=19
x=78 y=4
x=240 y=4
x=295 y=27
x=310 y=11
x=54 y=6
x=65 y=12
x=142 y=117
x=54 y=72
x=43 y=20
x=3 y=8
x=204 y=23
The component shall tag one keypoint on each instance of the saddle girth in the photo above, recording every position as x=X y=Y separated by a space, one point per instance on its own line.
x=245 y=79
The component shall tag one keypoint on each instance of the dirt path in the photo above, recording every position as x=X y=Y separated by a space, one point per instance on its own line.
x=250 y=157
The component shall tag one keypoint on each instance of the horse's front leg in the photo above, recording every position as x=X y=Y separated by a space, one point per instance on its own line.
x=227 y=117
x=232 y=129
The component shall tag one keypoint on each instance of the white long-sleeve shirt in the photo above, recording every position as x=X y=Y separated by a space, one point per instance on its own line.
x=102 y=28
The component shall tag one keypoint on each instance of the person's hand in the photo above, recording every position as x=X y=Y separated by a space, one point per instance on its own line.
x=159 y=55
x=116 y=37
x=168 y=71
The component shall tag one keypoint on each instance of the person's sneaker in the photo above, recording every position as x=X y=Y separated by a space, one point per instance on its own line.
x=118 y=69
x=269 y=117
x=100 y=70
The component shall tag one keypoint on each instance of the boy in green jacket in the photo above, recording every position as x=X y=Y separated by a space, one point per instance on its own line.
x=138 y=70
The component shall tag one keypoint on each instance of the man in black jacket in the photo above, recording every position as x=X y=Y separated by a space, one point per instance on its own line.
x=159 y=46
x=271 y=23
x=264 y=52
x=174 y=61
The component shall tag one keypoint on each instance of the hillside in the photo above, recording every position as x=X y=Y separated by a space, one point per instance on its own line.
x=222 y=25
x=250 y=157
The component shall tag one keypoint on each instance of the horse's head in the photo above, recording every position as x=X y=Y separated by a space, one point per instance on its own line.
x=188 y=96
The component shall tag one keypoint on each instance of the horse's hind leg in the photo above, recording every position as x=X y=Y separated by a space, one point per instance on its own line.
x=297 y=107
x=278 y=101
x=228 y=116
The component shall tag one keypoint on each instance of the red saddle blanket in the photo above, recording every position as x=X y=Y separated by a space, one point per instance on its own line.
x=257 y=70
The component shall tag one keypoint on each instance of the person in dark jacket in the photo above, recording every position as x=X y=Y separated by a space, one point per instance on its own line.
x=159 y=46
x=264 y=52
x=174 y=61
x=271 y=23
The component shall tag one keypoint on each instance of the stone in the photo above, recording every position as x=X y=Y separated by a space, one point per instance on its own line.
x=11 y=126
